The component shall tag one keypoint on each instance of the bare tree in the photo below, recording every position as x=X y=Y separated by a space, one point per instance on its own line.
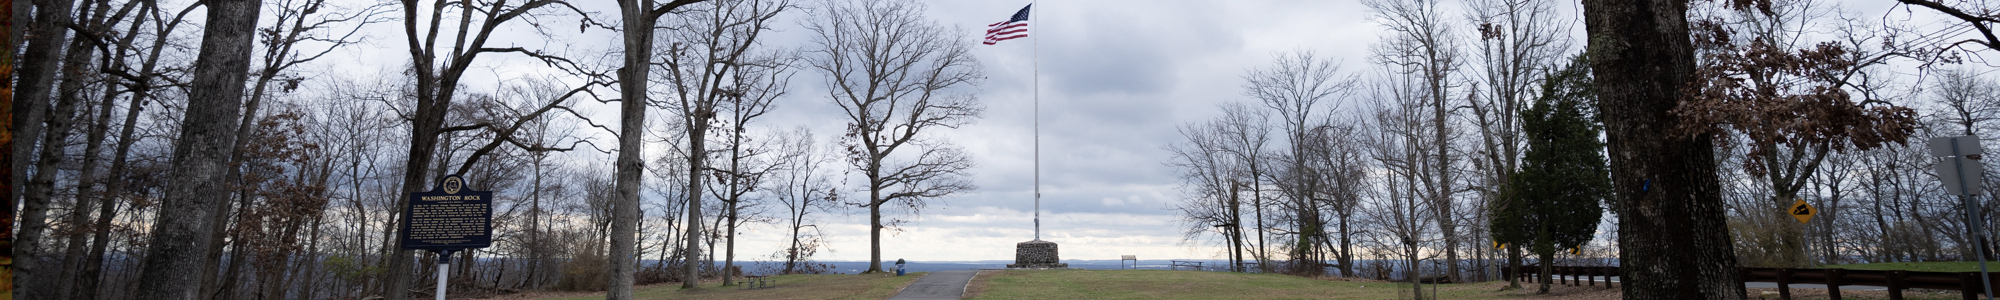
x=94 y=19
x=803 y=186
x=1519 y=40
x=1294 y=87
x=895 y=75
x=1423 y=45
x=1339 y=158
x=141 y=83
x=290 y=41
x=437 y=73
x=202 y=152
x=31 y=94
x=1968 y=99
x=1399 y=146
x=1247 y=134
x=1212 y=175
x=716 y=64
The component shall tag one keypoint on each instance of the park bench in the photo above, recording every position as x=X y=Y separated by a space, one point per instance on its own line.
x=758 y=282
x=1177 y=264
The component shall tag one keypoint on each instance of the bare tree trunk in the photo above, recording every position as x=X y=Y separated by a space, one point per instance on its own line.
x=1673 y=238
x=31 y=98
x=86 y=198
x=1514 y=266
x=41 y=186
x=1235 y=227
x=201 y=153
x=1257 y=203
x=115 y=187
x=1548 y=265
x=632 y=127
x=697 y=163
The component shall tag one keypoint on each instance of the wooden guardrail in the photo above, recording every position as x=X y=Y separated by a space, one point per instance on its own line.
x=1967 y=283
x=1566 y=275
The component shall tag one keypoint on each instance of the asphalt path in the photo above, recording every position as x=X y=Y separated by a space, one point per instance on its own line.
x=937 y=285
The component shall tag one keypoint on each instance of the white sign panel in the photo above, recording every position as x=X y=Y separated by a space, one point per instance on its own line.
x=1967 y=145
x=1973 y=173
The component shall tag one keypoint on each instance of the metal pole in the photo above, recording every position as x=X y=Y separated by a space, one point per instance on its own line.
x=1971 y=221
x=1979 y=238
x=1038 y=120
x=444 y=265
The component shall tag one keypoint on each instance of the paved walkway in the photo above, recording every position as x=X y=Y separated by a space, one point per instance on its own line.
x=937 y=285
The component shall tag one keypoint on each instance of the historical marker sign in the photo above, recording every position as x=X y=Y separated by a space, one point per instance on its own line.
x=449 y=217
x=1802 y=211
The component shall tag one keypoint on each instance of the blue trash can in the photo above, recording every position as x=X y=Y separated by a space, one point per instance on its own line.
x=899 y=267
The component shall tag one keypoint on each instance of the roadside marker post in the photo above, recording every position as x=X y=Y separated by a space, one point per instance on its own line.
x=1802 y=211
x=1963 y=175
x=450 y=218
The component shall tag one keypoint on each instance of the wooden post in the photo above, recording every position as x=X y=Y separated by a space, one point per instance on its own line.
x=1742 y=276
x=1784 y=283
x=1896 y=284
x=1834 y=278
x=1968 y=285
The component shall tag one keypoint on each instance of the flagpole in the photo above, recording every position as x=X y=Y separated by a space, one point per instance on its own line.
x=1038 y=118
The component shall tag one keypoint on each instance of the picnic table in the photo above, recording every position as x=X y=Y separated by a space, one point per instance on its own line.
x=757 y=282
x=1177 y=264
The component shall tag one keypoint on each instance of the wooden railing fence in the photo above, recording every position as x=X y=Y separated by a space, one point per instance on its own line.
x=1967 y=283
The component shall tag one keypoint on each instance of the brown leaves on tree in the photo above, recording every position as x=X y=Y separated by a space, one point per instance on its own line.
x=1778 y=97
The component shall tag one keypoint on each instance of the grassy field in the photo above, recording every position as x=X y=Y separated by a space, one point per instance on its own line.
x=1094 y=284
x=1949 y=266
x=788 y=287
x=1160 y=284
x=1149 y=285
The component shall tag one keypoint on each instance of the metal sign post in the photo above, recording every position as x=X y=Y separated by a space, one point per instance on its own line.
x=450 y=218
x=1963 y=175
x=444 y=268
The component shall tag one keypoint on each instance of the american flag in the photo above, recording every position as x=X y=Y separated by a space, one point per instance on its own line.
x=1013 y=28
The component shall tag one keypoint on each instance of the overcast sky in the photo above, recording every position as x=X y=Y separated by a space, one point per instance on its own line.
x=1116 y=78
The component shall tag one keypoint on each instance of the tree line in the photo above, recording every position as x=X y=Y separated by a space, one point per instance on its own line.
x=220 y=149
x=1481 y=134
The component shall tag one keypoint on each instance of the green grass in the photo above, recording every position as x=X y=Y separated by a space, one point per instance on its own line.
x=1161 y=284
x=1948 y=266
x=871 y=286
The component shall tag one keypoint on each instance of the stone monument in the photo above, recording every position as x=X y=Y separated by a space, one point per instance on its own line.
x=1036 y=254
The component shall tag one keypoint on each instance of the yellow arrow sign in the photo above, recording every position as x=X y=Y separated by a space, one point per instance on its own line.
x=1498 y=245
x=1576 y=250
x=1802 y=211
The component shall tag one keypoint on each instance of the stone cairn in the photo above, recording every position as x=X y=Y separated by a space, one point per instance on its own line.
x=1036 y=254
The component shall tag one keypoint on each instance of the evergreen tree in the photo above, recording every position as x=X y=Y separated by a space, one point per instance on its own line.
x=1552 y=203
